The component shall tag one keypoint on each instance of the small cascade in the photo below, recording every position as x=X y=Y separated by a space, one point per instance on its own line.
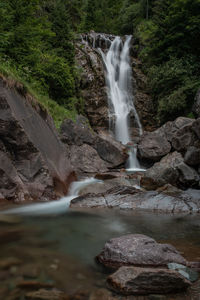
x=120 y=94
x=53 y=207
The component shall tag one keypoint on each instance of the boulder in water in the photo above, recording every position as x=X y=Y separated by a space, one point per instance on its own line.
x=138 y=250
x=127 y=197
x=144 y=281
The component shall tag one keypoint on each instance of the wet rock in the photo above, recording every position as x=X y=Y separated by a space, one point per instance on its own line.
x=192 y=156
x=33 y=163
x=134 y=281
x=196 y=106
x=153 y=146
x=105 y=186
x=43 y=294
x=105 y=176
x=138 y=250
x=126 y=197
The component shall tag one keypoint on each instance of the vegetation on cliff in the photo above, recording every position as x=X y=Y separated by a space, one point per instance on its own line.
x=37 y=47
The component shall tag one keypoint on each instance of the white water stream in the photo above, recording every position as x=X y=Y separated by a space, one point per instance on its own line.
x=120 y=94
x=53 y=207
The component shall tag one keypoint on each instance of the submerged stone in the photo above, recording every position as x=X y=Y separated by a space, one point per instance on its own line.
x=184 y=271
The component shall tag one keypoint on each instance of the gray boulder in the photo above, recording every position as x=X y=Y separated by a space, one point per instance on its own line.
x=153 y=146
x=192 y=156
x=88 y=151
x=171 y=169
x=144 y=281
x=163 y=172
x=138 y=250
x=129 y=198
x=184 y=138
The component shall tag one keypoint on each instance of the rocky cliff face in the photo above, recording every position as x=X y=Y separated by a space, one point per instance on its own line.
x=93 y=86
x=33 y=163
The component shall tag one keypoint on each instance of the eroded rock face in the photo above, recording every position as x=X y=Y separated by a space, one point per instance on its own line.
x=138 y=250
x=144 y=281
x=33 y=163
x=88 y=151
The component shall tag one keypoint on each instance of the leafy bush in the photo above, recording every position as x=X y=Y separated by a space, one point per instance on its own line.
x=173 y=85
x=57 y=77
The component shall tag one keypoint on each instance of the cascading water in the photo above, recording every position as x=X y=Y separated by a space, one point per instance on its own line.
x=120 y=93
x=53 y=207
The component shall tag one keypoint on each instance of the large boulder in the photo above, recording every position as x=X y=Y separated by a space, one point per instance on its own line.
x=171 y=169
x=138 y=250
x=192 y=156
x=170 y=128
x=144 y=281
x=196 y=106
x=184 y=138
x=130 y=198
x=85 y=159
x=153 y=146
x=88 y=151
x=163 y=172
x=33 y=163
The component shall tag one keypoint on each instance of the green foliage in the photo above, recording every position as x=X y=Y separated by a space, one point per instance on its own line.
x=58 y=112
x=55 y=73
x=36 y=47
x=173 y=85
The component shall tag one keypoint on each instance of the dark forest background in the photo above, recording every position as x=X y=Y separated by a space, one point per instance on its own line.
x=37 y=48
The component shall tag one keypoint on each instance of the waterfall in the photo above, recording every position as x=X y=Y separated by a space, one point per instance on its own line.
x=53 y=207
x=120 y=94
